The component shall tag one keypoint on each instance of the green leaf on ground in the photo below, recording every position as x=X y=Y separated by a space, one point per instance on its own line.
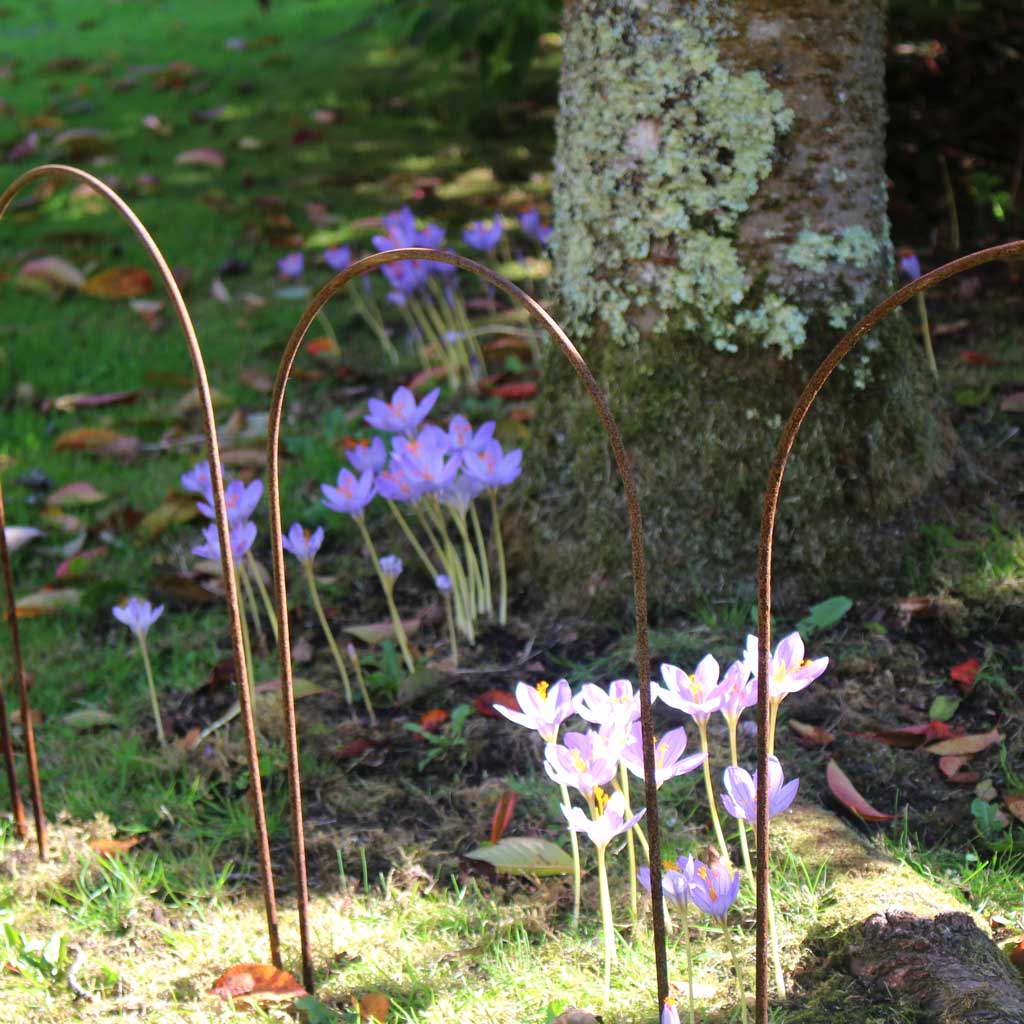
x=525 y=855
x=824 y=615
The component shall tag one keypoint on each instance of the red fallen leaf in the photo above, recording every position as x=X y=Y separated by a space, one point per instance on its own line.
x=432 y=720
x=203 y=157
x=77 y=565
x=66 y=403
x=964 y=674
x=373 y=1006
x=119 y=283
x=514 y=391
x=509 y=343
x=811 y=735
x=951 y=766
x=323 y=348
x=354 y=749
x=844 y=791
x=108 y=847
x=98 y=441
x=484 y=704
x=259 y=982
x=912 y=736
x=970 y=744
x=972 y=357
x=1015 y=804
x=502 y=814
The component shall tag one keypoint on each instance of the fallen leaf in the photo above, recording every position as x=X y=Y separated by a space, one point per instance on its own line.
x=574 y=1016
x=811 y=735
x=373 y=1006
x=244 y=458
x=149 y=310
x=972 y=357
x=203 y=157
x=19 y=536
x=943 y=707
x=300 y=687
x=912 y=607
x=81 y=492
x=219 y=290
x=912 y=736
x=514 y=391
x=80 y=142
x=432 y=720
x=970 y=744
x=258 y=982
x=502 y=814
x=98 y=441
x=119 y=283
x=1017 y=956
x=49 y=274
x=485 y=703
x=188 y=742
x=1012 y=403
x=356 y=748
x=66 y=403
x=177 y=508
x=85 y=719
x=965 y=673
x=844 y=791
x=986 y=790
x=184 y=587
x=257 y=378
x=951 y=766
x=78 y=564
x=525 y=855
x=47 y=601
x=323 y=348
x=1015 y=804
x=108 y=847
x=377 y=632
x=153 y=123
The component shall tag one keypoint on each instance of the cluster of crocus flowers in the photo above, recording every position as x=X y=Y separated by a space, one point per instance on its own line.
x=597 y=764
x=435 y=474
x=138 y=615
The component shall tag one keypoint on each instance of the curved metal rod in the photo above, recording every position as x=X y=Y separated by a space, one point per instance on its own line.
x=223 y=533
x=1009 y=250
x=541 y=316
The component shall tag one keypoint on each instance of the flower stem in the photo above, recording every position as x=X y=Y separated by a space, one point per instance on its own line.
x=314 y=596
x=152 y=690
x=577 y=877
x=500 y=548
x=926 y=334
x=773 y=721
x=375 y=324
x=689 y=954
x=702 y=728
x=411 y=538
x=387 y=586
x=631 y=846
x=246 y=645
x=481 y=547
x=453 y=641
x=357 y=665
x=606 y=921
x=254 y=608
x=268 y=605
x=740 y=992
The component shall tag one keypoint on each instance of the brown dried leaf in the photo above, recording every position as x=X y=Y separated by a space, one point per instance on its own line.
x=66 y=403
x=47 y=602
x=98 y=441
x=971 y=744
x=811 y=735
x=108 y=847
x=177 y=508
x=119 y=283
x=49 y=274
x=81 y=492
x=203 y=157
x=1015 y=804
x=846 y=793
x=373 y=1006
x=951 y=766
x=262 y=983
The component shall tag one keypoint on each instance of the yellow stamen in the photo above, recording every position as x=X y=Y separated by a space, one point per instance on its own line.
x=600 y=799
x=542 y=689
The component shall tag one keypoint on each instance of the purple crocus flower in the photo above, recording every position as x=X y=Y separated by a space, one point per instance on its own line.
x=443 y=583
x=292 y=265
x=595 y=705
x=366 y=455
x=610 y=822
x=492 y=466
x=391 y=567
x=483 y=235
x=909 y=265
x=581 y=760
x=338 y=258
x=542 y=708
x=242 y=537
x=197 y=480
x=740 y=797
x=303 y=544
x=714 y=889
x=349 y=494
x=459 y=494
x=402 y=415
x=395 y=484
x=694 y=695
x=462 y=437
x=428 y=469
x=240 y=501
x=430 y=439
x=138 y=615
x=675 y=882
x=531 y=225
x=668 y=755
x=404 y=278
x=736 y=692
x=669 y=1013
x=788 y=670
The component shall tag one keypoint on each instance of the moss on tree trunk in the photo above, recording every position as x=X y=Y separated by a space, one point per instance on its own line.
x=720 y=217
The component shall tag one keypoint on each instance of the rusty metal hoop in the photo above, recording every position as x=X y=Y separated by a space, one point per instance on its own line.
x=61 y=171
x=543 y=318
x=1009 y=250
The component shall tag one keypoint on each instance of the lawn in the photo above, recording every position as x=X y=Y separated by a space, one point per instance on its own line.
x=308 y=129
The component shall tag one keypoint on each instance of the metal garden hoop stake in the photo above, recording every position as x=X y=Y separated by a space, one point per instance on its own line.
x=1009 y=250
x=227 y=565
x=541 y=316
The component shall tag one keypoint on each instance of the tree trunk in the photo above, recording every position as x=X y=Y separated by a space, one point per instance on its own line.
x=719 y=197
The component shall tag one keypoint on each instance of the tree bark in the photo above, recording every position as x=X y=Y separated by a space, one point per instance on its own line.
x=719 y=197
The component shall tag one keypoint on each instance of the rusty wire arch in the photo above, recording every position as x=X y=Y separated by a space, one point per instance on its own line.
x=60 y=172
x=776 y=472
x=540 y=316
